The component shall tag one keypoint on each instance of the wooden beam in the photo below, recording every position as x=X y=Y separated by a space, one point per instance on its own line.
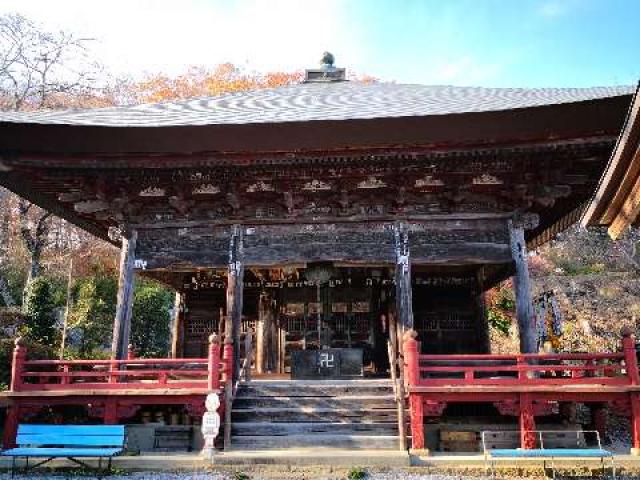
x=235 y=278
x=122 y=323
x=404 y=298
x=522 y=287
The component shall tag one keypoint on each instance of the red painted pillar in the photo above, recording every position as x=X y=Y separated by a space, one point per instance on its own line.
x=227 y=356
x=411 y=358
x=630 y=358
x=11 y=427
x=635 y=423
x=213 y=366
x=131 y=353
x=527 y=423
x=110 y=412
x=17 y=364
x=412 y=377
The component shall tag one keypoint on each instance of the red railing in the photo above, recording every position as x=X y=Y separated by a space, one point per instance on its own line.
x=554 y=369
x=133 y=373
x=524 y=369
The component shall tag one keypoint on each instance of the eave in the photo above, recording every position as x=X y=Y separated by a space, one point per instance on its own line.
x=616 y=202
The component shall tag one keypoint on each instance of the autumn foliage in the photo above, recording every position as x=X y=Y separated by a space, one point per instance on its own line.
x=206 y=82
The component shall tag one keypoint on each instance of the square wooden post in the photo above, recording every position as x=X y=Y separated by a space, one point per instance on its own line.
x=522 y=287
x=235 y=279
x=10 y=431
x=527 y=423
x=177 y=326
x=404 y=297
x=122 y=323
x=213 y=364
x=412 y=376
x=635 y=423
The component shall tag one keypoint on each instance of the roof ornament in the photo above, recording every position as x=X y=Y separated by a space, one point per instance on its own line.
x=327 y=61
x=327 y=72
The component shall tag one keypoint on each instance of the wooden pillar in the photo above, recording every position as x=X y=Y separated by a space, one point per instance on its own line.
x=527 y=423
x=631 y=365
x=404 y=299
x=213 y=363
x=266 y=334
x=412 y=376
x=635 y=423
x=273 y=354
x=10 y=430
x=522 y=288
x=177 y=326
x=235 y=278
x=482 y=323
x=122 y=323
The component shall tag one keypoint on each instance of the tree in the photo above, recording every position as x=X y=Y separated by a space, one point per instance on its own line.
x=203 y=82
x=93 y=311
x=40 y=312
x=150 y=333
x=34 y=231
x=42 y=69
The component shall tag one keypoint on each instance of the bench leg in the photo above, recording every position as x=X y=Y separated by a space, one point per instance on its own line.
x=613 y=468
x=13 y=466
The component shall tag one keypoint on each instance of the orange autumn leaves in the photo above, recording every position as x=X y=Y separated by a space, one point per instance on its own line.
x=203 y=82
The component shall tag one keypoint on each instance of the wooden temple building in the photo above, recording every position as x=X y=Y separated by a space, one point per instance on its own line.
x=329 y=219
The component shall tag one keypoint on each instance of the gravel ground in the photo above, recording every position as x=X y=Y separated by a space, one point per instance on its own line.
x=395 y=475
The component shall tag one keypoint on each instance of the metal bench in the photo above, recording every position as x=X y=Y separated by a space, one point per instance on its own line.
x=491 y=455
x=67 y=441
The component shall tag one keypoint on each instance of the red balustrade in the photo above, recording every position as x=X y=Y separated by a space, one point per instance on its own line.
x=522 y=384
x=132 y=373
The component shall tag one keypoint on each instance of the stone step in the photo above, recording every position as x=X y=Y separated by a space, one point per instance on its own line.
x=320 y=440
x=314 y=428
x=304 y=389
x=372 y=402
x=295 y=414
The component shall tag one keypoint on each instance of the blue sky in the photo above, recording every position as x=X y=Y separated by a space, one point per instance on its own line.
x=520 y=43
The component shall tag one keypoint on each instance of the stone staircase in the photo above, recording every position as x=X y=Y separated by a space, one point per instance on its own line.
x=354 y=414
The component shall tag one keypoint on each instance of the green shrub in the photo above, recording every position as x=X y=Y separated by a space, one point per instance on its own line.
x=357 y=473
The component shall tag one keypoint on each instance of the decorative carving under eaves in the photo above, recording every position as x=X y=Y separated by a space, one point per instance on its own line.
x=428 y=181
x=152 y=192
x=486 y=179
x=260 y=186
x=205 y=189
x=316 y=186
x=371 y=183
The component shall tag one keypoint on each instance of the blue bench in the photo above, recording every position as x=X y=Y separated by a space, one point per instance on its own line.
x=545 y=454
x=67 y=441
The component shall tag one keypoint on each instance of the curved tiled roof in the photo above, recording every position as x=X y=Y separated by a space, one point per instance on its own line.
x=319 y=101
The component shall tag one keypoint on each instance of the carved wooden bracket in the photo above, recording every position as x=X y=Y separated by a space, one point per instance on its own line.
x=527 y=221
x=432 y=408
x=621 y=407
x=127 y=411
x=509 y=408
x=539 y=408
x=196 y=408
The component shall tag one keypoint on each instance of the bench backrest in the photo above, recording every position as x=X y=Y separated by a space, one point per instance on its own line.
x=554 y=439
x=71 y=435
